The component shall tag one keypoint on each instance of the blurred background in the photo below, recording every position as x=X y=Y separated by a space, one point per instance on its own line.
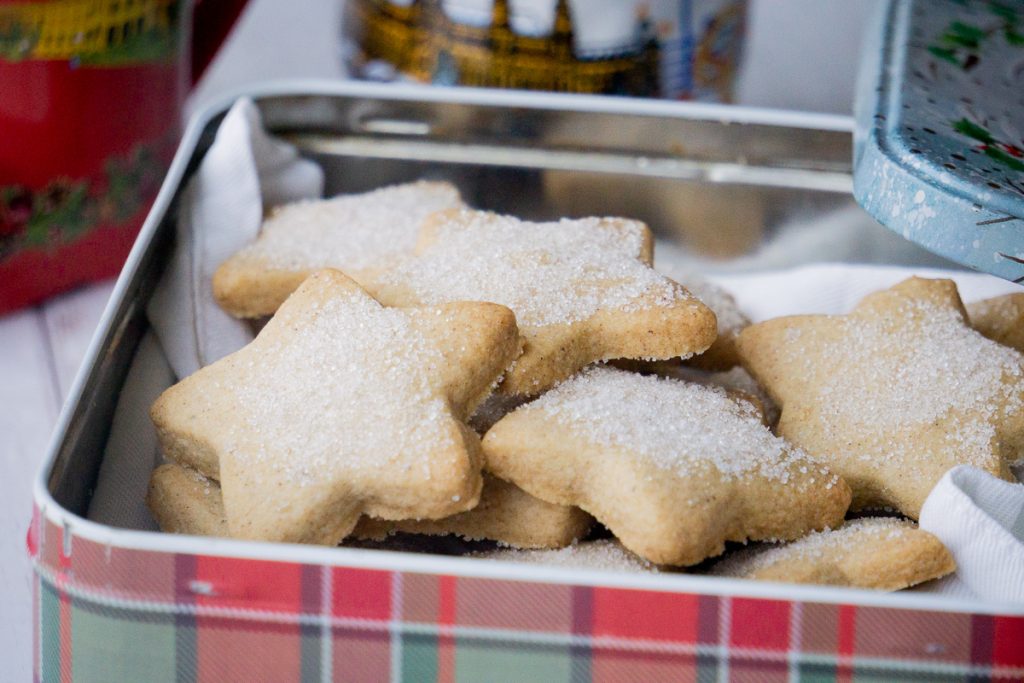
x=801 y=54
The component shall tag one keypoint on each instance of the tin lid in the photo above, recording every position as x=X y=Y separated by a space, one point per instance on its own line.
x=939 y=138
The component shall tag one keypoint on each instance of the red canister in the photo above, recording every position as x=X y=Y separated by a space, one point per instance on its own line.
x=90 y=107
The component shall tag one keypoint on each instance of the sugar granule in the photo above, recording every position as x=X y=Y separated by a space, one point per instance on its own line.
x=547 y=273
x=350 y=231
x=814 y=546
x=679 y=426
x=730 y=318
x=341 y=392
x=918 y=375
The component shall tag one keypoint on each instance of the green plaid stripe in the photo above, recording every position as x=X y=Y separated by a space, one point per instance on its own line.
x=317 y=623
x=143 y=641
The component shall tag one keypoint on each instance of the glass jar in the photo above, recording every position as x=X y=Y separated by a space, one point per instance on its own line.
x=673 y=49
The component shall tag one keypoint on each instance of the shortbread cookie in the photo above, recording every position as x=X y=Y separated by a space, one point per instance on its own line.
x=352 y=233
x=722 y=354
x=495 y=407
x=602 y=555
x=506 y=514
x=732 y=381
x=184 y=501
x=894 y=394
x=673 y=469
x=1000 y=319
x=582 y=290
x=737 y=382
x=342 y=407
x=884 y=553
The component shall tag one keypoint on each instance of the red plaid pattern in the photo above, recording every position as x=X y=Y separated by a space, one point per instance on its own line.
x=112 y=613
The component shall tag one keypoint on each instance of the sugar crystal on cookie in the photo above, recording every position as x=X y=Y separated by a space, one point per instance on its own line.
x=359 y=234
x=548 y=273
x=886 y=553
x=928 y=370
x=895 y=393
x=813 y=546
x=730 y=318
x=329 y=392
x=678 y=425
x=582 y=290
x=352 y=231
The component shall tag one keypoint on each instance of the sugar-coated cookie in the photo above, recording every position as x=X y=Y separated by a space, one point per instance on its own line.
x=352 y=233
x=602 y=555
x=184 y=501
x=494 y=407
x=582 y=290
x=673 y=469
x=722 y=354
x=884 y=553
x=506 y=514
x=342 y=407
x=736 y=381
x=894 y=394
x=1000 y=319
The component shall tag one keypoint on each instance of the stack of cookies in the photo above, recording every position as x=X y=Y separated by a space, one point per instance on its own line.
x=431 y=369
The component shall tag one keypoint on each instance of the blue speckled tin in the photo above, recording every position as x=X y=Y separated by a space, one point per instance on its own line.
x=939 y=141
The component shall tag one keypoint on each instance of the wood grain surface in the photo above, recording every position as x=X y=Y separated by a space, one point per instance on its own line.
x=41 y=350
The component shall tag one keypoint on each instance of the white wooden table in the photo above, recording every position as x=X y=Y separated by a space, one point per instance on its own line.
x=41 y=349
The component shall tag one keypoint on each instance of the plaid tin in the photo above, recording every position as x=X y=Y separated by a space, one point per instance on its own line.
x=113 y=605
x=108 y=613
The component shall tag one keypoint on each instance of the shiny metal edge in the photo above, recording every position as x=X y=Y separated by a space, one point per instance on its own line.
x=386 y=560
x=495 y=98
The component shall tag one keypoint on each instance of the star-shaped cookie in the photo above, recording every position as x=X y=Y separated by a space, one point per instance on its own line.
x=506 y=514
x=1000 y=319
x=354 y=233
x=582 y=290
x=894 y=394
x=673 y=469
x=601 y=555
x=883 y=553
x=184 y=501
x=342 y=407
x=722 y=354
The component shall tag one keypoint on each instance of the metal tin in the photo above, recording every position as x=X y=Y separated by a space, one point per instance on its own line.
x=939 y=148
x=219 y=609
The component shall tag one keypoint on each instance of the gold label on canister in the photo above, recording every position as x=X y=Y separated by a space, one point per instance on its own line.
x=677 y=49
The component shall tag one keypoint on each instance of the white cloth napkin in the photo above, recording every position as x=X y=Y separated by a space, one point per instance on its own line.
x=980 y=518
x=131 y=452
x=244 y=171
x=834 y=288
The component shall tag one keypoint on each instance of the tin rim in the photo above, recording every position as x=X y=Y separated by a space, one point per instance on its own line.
x=74 y=525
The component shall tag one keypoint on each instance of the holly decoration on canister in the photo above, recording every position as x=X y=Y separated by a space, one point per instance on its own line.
x=1005 y=153
x=65 y=209
x=961 y=43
